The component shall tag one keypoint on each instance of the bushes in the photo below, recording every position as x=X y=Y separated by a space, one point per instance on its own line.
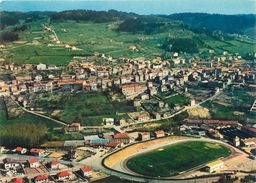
x=189 y=45
x=8 y=36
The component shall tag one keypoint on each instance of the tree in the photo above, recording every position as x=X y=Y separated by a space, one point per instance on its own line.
x=25 y=134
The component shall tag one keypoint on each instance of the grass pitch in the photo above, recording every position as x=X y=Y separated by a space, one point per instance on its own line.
x=173 y=159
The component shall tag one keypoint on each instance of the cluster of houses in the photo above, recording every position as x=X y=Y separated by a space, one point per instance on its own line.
x=134 y=77
x=243 y=136
x=119 y=139
x=46 y=171
x=138 y=80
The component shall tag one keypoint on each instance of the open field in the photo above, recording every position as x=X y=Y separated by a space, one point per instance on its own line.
x=89 y=108
x=177 y=100
x=23 y=118
x=171 y=160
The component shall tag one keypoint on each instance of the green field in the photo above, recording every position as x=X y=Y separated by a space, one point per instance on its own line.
x=89 y=108
x=176 y=158
x=104 y=38
x=177 y=99
x=23 y=118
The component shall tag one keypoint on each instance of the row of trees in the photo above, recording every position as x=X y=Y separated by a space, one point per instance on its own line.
x=25 y=134
x=8 y=36
x=89 y=15
x=142 y=24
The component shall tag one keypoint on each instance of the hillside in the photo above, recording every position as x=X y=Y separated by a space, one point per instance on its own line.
x=233 y=24
x=113 y=33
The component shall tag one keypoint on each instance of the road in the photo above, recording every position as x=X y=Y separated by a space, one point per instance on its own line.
x=175 y=114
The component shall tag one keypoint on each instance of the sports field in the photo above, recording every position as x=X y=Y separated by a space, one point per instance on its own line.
x=173 y=159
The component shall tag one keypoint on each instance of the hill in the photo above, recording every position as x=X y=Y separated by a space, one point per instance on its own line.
x=114 y=33
x=233 y=24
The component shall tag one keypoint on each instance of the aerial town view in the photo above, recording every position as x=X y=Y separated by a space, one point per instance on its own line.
x=128 y=91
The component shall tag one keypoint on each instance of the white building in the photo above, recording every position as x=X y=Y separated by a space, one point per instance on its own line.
x=215 y=165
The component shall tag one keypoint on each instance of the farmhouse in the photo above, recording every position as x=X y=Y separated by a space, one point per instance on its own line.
x=54 y=165
x=33 y=162
x=37 y=152
x=143 y=117
x=10 y=163
x=41 y=179
x=63 y=175
x=86 y=171
x=215 y=165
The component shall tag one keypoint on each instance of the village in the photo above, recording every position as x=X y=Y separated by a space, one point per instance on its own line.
x=148 y=85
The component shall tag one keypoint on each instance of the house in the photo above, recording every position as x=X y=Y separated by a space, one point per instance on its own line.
x=42 y=179
x=41 y=67
x=54 y=164
x=21 y=150
x=109 y=121
x=63 y=175
x=143 y=117
x=121 y=138
x=86 y=171
x=10 y=163
x=156 y=115
x=17 y=180
x=159 y=133
x=144 y=136
x=122 y=121
x=37 y=152
x=249 y=142
x=73 y=127
x=33 y=162
x=215 y=165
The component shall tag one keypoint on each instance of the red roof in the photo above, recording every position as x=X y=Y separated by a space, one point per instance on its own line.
x=159 y=132
x=19 y=148
x=41 y=177
x=121 y=136
x=54 y=162
x=111 y=144
x=212 y=121
x=132 y=85
x=35 y=150
x=33 y=160
x=86 y=169
x=63 y=174
x=250 y=129
x=17 y=180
